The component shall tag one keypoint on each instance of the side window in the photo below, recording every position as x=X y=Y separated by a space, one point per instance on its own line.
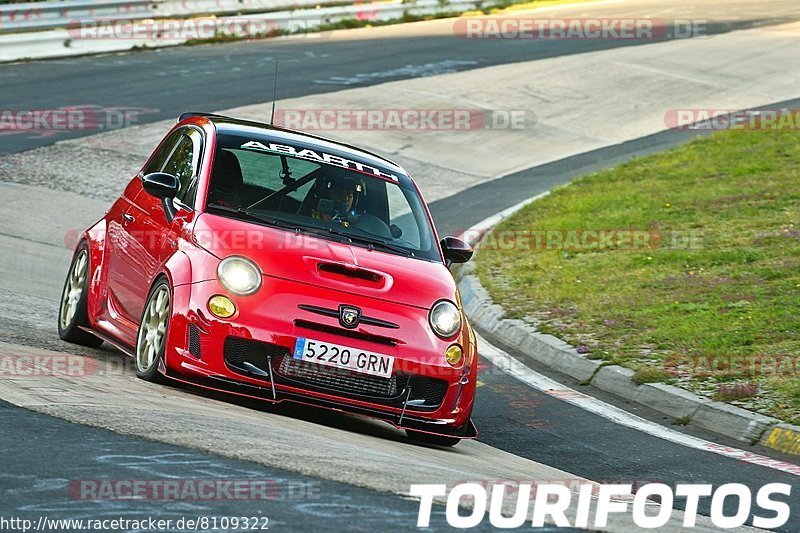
x=190 y=194
x=160 y=157
x=184 y=163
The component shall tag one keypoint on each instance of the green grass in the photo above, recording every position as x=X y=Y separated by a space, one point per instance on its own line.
x=722 y=283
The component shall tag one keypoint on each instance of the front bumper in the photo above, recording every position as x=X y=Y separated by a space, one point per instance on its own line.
x=250 y=355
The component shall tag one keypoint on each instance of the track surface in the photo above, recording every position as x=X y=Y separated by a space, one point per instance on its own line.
x=170 y=81
x=34 y=487
x=511 y=416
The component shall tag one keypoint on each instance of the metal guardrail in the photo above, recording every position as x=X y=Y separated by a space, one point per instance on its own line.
x=37 y=16
x=48 y=15
x=65 y=40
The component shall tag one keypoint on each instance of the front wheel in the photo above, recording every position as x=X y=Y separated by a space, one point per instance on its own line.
x=152 y=336
x=72 y=313
x=427 y=438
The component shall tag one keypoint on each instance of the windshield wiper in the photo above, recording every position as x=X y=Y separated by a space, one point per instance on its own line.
x=244 y=213
x=374 y=241
x=272 y=221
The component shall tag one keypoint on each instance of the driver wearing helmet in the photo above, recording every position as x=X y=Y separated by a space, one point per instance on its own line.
x=338 y=196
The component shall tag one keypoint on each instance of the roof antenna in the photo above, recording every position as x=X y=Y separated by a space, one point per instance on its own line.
x=274 y=93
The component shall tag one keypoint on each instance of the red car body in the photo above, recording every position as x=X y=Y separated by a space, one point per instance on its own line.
x=304 y=278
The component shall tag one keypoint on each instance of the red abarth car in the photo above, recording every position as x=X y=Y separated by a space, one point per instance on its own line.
x=278 y=265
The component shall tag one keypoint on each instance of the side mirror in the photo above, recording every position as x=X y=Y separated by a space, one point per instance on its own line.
x=455 y=250
x=161 y=185
x=164 y=187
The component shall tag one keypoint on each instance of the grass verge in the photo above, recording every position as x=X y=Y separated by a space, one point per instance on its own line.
x=701 y=288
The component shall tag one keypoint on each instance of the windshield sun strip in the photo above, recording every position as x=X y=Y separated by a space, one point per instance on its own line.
x=325 y=159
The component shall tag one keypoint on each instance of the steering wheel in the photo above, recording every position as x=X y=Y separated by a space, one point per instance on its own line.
x=374 y=225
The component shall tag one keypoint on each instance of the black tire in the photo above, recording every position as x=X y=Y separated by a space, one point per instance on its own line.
x=435 y=440
x=150 y=373
x=69 y=328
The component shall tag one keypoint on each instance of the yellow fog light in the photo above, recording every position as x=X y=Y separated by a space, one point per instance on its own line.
x=453 y=355
x=221 y=306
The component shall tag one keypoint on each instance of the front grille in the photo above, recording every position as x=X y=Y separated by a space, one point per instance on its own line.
x=334 y=313
x=342 y=380
x=194 y=341
x=433 y=391
x=238 y=350
x=369 y=337
x=422 y=392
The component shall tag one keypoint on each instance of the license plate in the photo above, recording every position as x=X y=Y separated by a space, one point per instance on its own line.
x=325 y=353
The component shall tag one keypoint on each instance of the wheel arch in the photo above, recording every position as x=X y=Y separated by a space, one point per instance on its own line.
x=177 y=269
x=95 y=240
x=159 y=278
x=177 y=272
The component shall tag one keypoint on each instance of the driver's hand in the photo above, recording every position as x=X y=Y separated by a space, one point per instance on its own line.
x=346 y=219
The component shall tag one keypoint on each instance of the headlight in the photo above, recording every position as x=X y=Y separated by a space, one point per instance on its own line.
x=239 y=275
x=445 y=318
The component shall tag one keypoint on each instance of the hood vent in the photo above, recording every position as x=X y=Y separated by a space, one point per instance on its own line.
x=338 y=270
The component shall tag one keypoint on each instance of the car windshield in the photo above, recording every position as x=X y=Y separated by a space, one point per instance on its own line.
x=319 y=193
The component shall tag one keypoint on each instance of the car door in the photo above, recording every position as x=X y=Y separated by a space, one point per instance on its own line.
x=142 y=238
x=124 y=249
x=186 y=167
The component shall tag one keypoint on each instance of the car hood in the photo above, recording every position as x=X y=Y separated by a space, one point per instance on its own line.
x=313 y=260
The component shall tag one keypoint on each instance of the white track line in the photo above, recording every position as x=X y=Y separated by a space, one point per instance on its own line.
x=508 y=364
x=474 y=234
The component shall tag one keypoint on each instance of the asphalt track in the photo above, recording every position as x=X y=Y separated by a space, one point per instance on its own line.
x=512 y=417
x=33 y=483
x=167 y=82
